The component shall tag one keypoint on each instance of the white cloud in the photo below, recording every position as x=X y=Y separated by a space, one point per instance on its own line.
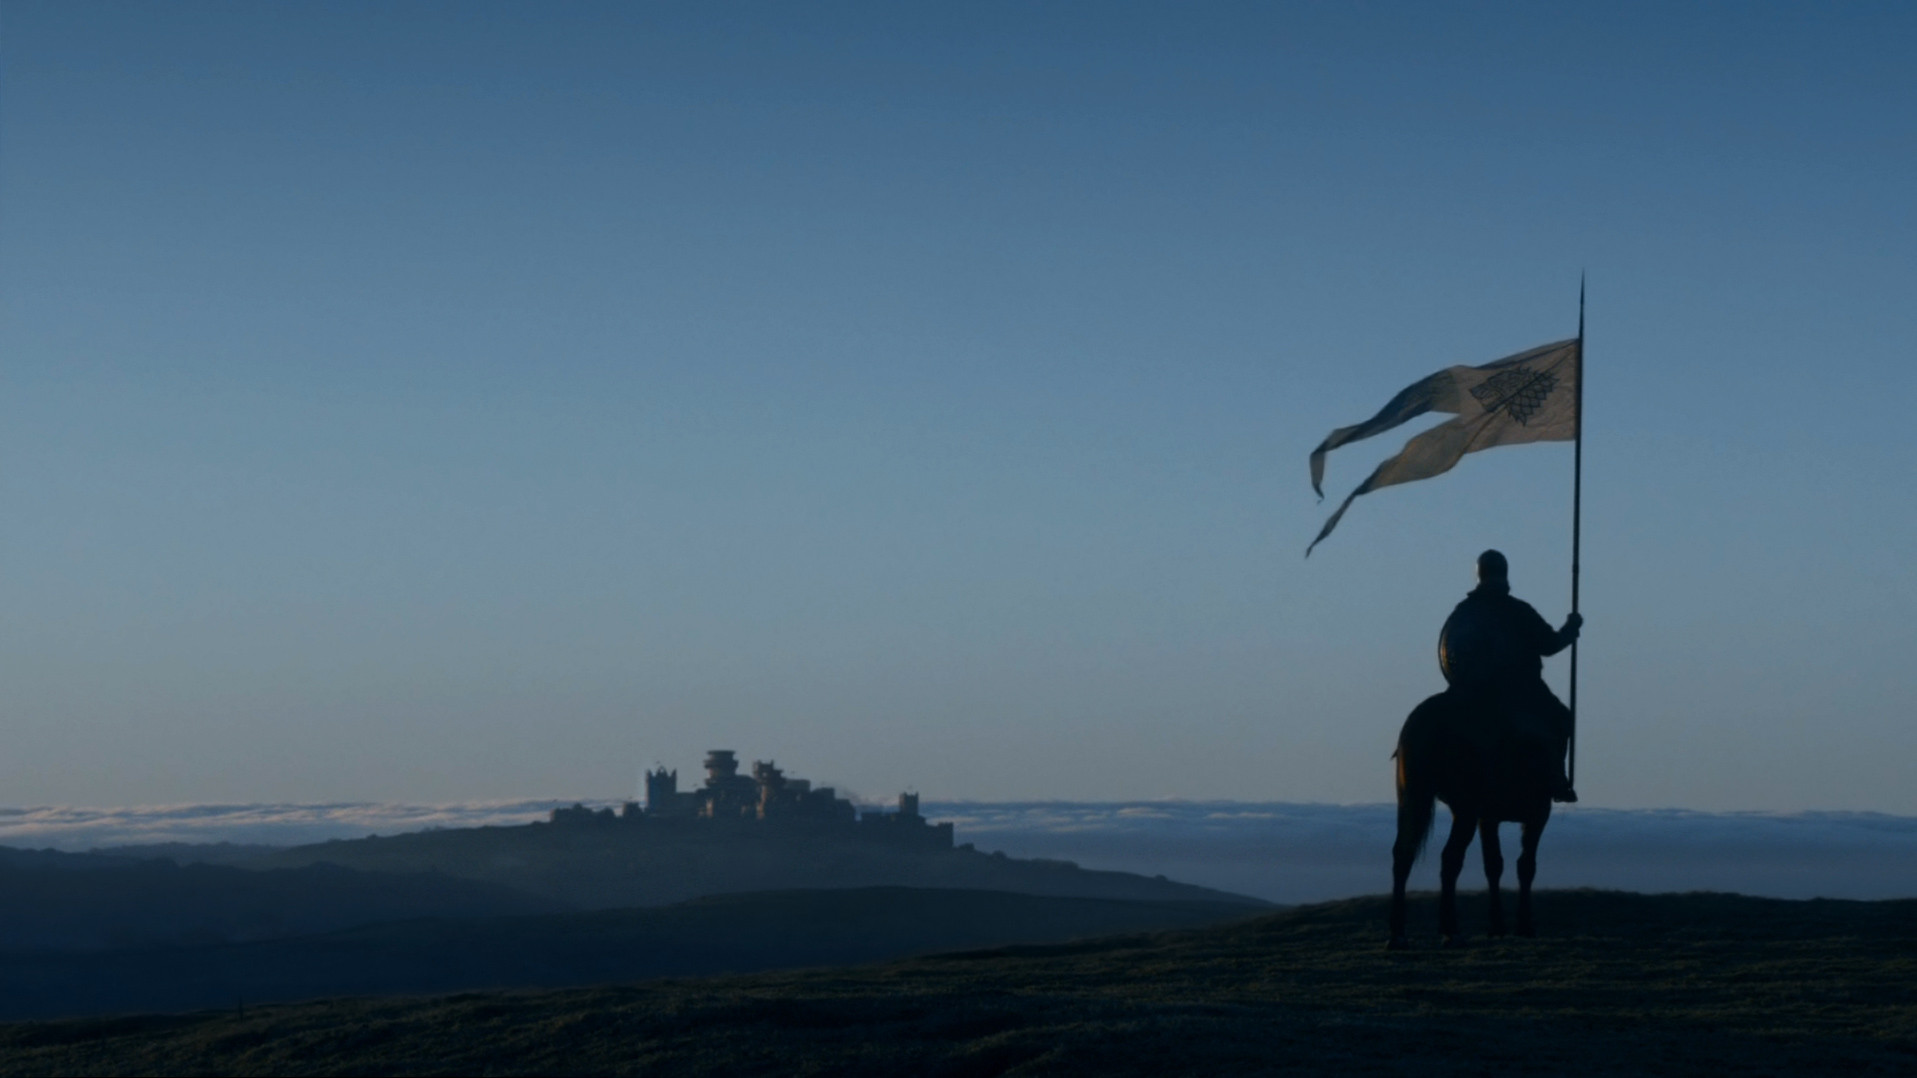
x=71 y=828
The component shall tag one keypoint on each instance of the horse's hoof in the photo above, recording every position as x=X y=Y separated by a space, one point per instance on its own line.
x=1397 y=943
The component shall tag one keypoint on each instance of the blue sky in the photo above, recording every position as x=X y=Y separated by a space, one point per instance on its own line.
x=484 y=401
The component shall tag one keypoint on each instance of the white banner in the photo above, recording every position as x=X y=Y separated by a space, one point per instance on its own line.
x=1529 y=397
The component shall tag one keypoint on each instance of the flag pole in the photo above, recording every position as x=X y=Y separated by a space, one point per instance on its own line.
x=1577 y=525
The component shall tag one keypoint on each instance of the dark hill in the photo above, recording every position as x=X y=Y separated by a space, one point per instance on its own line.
x=59 y=901
x=1621 y=984
x=653 y=864
x=730 y=933
x=192 y=853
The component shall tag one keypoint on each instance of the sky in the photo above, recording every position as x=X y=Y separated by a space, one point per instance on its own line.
x=469 y=402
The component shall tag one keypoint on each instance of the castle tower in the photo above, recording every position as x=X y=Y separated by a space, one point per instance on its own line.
x=662 y=789
x=767 y=774
x=721 y=765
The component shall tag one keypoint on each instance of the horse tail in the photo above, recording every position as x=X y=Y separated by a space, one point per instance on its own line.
x=1417 y=808
x=1416 y=782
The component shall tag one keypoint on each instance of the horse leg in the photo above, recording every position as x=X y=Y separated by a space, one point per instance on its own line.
x=1415 y=809
x=1528 y=870
x=1404 y=852
x=1401 y=860
x=1450 y=864
x=1493 y=870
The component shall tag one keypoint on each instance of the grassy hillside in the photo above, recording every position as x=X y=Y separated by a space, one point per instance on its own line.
x=1620 y=984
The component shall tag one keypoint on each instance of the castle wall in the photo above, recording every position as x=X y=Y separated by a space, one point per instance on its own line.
x=767 y=797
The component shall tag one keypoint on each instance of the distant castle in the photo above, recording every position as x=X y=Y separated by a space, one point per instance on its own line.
x=766 y=797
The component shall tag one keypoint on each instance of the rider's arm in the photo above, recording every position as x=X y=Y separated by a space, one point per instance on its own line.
x=1544 y=639
x=1562 y=638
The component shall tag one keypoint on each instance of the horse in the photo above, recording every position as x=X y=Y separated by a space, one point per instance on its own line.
x=1439 y=759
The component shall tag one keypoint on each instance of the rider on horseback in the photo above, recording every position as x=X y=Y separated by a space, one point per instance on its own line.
x=1492 y=649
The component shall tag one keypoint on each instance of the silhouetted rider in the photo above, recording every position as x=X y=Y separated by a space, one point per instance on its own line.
x=1492 y=649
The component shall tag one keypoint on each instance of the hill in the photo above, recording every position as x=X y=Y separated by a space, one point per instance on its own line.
x=52 y=901
x=717 y=935
x=616 y=865
x=1621 y=984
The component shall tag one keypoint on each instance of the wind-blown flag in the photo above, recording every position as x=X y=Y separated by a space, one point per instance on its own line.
x=1529 y=397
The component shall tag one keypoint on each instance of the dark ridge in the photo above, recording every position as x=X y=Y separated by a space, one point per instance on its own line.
x=66 y=902
x=193 y=853
x=730 y=933
x=613 y=863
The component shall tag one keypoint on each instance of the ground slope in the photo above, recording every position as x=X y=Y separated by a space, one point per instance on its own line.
x=1619 y=984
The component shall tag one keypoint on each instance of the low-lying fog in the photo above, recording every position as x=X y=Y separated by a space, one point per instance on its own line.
x=1282 y=852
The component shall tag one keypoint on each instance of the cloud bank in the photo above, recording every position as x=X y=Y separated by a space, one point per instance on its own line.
x=1308 y=853
x=69 y=828
x=1277 y=851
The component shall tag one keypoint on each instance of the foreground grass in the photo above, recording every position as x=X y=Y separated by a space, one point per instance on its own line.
x=1620 y=984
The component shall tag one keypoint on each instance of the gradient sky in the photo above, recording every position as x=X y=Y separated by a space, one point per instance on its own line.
x=410 y=401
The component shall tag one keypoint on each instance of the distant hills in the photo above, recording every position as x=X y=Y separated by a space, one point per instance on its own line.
x=727 y=934
x=615 y=866
x=89 y=902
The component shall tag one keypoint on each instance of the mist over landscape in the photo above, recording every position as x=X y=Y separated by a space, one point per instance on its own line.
x=1277 y=851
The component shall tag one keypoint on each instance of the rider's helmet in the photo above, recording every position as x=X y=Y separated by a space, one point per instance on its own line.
x=1493 y=569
